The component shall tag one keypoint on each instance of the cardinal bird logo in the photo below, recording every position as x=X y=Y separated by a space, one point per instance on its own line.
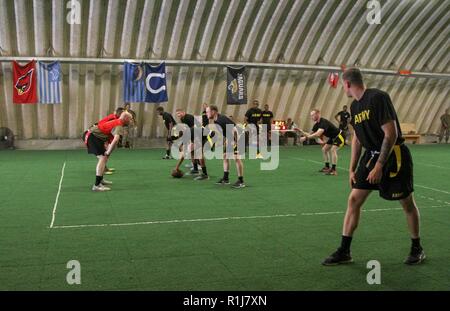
x=23 y=84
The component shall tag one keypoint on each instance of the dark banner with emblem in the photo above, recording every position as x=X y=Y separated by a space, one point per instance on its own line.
x=236 y=86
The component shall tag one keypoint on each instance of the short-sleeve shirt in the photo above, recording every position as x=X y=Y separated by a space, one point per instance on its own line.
x=168 y=118
x=188 y=119
x=266 y=117
x=106 y=130
x=330 y=130
x=344 y=117
x=253 y=115
x=373 y=110
x=109 y=117
x=222 y=121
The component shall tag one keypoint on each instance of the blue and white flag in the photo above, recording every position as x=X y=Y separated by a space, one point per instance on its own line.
x=144 y=83
x=155 y=84
x=50 y=78
x=134 y=82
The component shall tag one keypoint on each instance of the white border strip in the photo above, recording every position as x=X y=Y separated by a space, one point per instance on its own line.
x=57 y=196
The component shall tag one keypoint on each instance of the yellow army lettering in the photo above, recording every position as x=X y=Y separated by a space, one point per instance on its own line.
x=362 y=116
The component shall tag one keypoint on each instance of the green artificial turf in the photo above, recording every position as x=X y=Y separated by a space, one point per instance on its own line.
x=191 y=243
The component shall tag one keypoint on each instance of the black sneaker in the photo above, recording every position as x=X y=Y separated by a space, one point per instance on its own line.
x=416 y=256
x=338 y=257
x=223 y=182
x=238 y=184
x=324 y=169
x=166 y=157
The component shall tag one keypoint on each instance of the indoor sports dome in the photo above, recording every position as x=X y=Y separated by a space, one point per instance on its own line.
x=89 y=187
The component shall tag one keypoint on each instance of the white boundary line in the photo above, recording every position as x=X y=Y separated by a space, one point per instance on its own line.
x=432 y=165
x=229 y=218
x=346 y=169
x=174 y=221
x=57 y=196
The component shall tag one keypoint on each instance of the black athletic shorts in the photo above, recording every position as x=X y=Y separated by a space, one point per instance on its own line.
x=337 y=141
x=397 y=180
x=95 y=145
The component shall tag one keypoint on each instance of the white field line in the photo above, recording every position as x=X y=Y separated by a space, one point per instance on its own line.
x=226 y=218
x=346 y=169
x=57 y=196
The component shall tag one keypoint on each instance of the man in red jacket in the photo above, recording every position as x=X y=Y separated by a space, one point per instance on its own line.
x=95 y=139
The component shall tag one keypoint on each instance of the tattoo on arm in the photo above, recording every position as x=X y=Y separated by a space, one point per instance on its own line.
x=385 y=151
x=390 y=137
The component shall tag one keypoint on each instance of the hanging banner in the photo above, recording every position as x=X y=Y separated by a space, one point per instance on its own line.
x=24 y=83
x=144 y=83
x=133 y=82
x=155 y=84
x=236 y=86
x=50 y=77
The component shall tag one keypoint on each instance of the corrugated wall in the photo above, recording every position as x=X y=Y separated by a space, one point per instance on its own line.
x=412 y=35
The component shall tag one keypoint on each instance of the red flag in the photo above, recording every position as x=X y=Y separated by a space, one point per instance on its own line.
x=24 y=83
x=333 y=79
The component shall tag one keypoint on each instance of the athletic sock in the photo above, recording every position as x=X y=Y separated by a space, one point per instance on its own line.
x=345 y=244
x=225 y=175
x=333 y=167
x=168 y=152
x=195 y=166
x=98 y=180
x=241 y=179
x=204 y=170
x=327 y=164
x=416 y=243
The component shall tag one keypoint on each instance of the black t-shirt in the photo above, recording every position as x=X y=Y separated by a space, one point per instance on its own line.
x=167 y=117
x=373 y=110
x=330 y=130
x=344 y=117
x=222 y=121
x=266 y=116
x=188 y=119
x=205 y=120
x=253 y=115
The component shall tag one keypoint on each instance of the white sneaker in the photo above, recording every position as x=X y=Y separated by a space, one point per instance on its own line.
x=105 y=182
x=100 y=188
x=259 y=156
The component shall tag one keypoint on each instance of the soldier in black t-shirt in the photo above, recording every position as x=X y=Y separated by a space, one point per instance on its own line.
x=222 y=121
x=386 y=165
x=253 y=116
x=190 y=122
x=335 y=140
x=169 y=122
x=344 y=117
x=266 y=118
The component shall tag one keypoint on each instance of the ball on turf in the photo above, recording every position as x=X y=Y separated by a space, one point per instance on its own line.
x=177 y=174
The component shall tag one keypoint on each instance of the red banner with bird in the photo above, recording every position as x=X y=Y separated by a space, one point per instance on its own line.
x=24 y=83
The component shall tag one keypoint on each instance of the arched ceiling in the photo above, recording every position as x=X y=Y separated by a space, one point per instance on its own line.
x=412 y=35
